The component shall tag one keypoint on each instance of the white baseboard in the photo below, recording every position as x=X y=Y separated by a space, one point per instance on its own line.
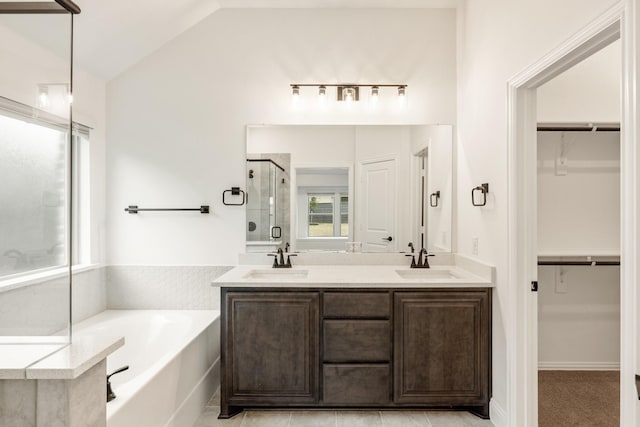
x=578 y=366
x=497 y=414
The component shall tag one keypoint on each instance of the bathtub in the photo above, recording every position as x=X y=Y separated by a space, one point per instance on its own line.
x=173 y=357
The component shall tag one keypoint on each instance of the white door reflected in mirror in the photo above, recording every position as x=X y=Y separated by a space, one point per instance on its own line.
x=378 y=204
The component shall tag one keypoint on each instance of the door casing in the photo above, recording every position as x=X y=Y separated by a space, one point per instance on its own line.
x=620 y=21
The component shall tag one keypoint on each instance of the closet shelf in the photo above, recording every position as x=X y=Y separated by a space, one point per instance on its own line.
x=575 y=260
x=578 y=253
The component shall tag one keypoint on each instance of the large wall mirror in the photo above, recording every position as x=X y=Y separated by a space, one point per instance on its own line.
x=349 y=188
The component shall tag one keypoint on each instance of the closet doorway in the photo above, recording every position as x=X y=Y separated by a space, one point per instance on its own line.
x=618 y=22
x=578 y=244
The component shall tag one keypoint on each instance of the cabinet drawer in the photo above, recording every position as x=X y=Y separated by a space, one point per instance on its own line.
x=357 y=304
x=357 y=341
x=357 y=384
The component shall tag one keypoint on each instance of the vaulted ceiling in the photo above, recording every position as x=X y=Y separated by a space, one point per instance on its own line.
x=112 y=35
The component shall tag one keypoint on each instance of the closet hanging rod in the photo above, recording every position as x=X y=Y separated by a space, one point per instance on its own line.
x=570 y=263
x=267 y=160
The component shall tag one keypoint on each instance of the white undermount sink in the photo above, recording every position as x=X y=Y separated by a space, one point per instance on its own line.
x=427 y=274
x=277 y=274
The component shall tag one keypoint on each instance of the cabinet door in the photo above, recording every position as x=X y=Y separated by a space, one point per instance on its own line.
x=272 y=347
x=442 y=347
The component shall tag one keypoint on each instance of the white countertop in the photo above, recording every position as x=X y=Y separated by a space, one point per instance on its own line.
x=15 y=358
x=76 y=358
x=353 y=276
x=55 y=361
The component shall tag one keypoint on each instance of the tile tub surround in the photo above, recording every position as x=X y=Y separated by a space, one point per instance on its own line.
x=162 y=287
x=43 y=308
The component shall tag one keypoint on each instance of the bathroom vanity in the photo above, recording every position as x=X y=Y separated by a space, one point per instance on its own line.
x=355 y=336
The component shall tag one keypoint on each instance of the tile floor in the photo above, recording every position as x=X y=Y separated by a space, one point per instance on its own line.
x=209 y=418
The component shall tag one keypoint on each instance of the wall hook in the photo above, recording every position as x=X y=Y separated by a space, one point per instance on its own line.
x=434 y=198
x=484 y=189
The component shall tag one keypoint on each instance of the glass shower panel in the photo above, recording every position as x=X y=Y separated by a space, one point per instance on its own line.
x=35 y=117
x=261 y=200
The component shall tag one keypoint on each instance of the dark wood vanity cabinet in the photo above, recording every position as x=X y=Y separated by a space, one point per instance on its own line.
x=386 y=348
x=442 y=348
x=270 y=349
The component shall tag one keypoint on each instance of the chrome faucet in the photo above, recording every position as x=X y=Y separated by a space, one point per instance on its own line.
x=278 y=259
x=423 y=262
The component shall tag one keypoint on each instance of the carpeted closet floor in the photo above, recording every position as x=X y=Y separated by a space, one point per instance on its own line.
x=578 y=398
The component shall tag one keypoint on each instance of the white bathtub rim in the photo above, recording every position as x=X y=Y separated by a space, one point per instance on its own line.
x=127 y=390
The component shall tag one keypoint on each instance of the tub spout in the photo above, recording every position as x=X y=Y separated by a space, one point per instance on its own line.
x=110 y=394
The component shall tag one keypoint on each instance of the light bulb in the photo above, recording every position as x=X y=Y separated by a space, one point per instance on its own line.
x=402 y=96
x=43 y=96
x=374 y=94
x=295 y=94
x=349 y=94
x=322 y=95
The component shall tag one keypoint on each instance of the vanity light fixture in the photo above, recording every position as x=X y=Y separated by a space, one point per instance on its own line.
x=347 y=91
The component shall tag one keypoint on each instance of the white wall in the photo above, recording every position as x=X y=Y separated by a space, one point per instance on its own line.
x=25 y=64
x=586 y=93
x=176 y=120
x=579 y=321
x=500 y=38
x=308 y=145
